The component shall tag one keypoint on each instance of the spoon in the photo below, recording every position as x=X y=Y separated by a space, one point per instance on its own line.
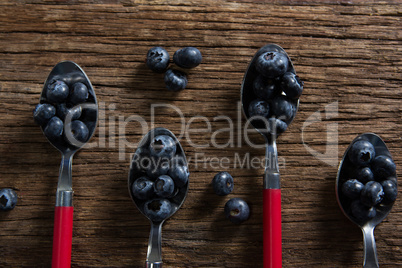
x=382 y=210
x=154 y=255
x=70 y=73
x=272 y=232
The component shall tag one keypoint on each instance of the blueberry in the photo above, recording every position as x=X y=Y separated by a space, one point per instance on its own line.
x=157 y=166
x=78 y=130
x=57 y=92
x=8 y=199
x=89 y=113
x=162 y=146
x=372 y=194
x=272 y=64
x=291 y=85
x=283 y=108
x=265 y=88
x=281 y=126
x=74 y=112
x=390 y=191
x=157 y=209
x=237 y=210
x=223 y=183
x=175 y=80
x=188 y=57
x=383 y=167
x=364 y=174
x=352 y=188
x=394 y=179
x=361 y=212
x=142 y=188
x=43 y=112
x=164 y=186
x=179 y=174
x=258 y=108
x=79 y=93
x=54 y=128
x=361 y=153
x=157 y=59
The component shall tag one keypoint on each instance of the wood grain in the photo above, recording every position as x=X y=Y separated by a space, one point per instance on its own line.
x=347 y=52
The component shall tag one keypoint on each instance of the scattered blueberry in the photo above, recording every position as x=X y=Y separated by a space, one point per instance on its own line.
x=352 y=188
x=74 y=112
x=283 y=108
x=390 y=191
x=188 y=57
x=157 y=59
x=361 y=212
x=79 y=93
x=43 y=112
x=371 y=194
x=383 y=166
x=272 y=64
x=54 y=128
x=265 y=88
x=364 y=174
x=237 y=210
x=179 y=174
x=8 y=199
x=57 y=92
x=164 y=186
x=291 y=85
x=258 y=108
x=162 y=146
x=175 y=80
x=79 y=131
x=143 y=188
x=223 y=183
x=157 y=209
x=361 y=153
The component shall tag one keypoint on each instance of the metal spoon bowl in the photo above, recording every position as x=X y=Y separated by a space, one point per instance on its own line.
x=154 y=256
x=247 y=92
x=70 y=73
x=367 y=227
x=272 y=229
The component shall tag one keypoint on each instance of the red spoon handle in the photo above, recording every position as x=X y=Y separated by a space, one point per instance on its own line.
x=272 y=228
x=62 y=237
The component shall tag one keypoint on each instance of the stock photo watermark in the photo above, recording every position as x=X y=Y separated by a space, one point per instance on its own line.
x=237 y=132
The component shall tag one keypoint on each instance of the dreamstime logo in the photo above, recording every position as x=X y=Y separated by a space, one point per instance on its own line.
x=117 y=130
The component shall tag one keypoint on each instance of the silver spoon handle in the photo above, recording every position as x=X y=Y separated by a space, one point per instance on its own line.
x=271 y=175
x=370 y=251
x=154 y=256
x=64 y=195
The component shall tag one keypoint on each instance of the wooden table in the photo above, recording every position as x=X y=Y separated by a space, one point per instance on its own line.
x=348 y=53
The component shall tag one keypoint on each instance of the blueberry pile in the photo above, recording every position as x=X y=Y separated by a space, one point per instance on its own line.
x=369 y=181
x=8 y=199
x=61 y=112
x=158 y=60
x=273 y=89
x=159 y=177
x=236 y=209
